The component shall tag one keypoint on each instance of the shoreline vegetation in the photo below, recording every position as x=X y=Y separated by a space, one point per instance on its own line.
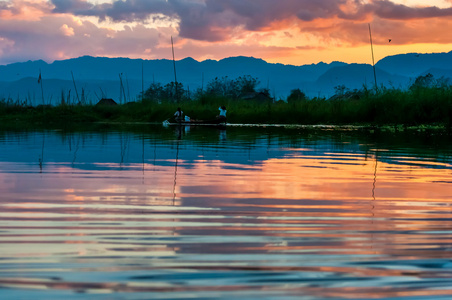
x=426 y=103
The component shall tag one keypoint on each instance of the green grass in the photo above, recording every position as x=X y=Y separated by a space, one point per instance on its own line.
x=420 y=106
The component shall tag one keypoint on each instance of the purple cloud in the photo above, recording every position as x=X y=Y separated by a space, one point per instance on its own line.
x=213 y=20
x=388 y=10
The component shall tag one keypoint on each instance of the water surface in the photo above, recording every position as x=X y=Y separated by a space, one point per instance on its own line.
x=255 y=213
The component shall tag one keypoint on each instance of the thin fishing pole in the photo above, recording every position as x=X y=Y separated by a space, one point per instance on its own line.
x=373 y=59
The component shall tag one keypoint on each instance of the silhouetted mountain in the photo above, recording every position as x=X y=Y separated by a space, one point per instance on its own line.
x=440 y=74
x=100 y=76
x=89 y=91
x=355 y=76
x=414 y=64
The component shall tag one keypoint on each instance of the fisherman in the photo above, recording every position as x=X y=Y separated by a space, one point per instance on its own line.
x=179 y=115
x=222 y=114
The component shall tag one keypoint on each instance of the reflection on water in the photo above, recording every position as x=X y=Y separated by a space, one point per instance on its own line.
x=167 y=213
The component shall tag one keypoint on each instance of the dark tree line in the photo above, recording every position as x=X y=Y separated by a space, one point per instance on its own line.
x=245 y=88
x=218 y=87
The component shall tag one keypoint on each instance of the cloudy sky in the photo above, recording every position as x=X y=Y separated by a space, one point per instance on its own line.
x=285 y=31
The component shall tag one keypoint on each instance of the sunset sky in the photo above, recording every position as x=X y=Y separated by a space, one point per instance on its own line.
x=279 y=31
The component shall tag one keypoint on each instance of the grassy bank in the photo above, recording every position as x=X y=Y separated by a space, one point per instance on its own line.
x=428 y=106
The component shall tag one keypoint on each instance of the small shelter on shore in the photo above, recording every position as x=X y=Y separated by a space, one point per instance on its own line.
x=256 y=96
x=106 y=102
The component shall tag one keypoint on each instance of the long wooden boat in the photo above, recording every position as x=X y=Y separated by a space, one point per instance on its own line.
x=215 y=122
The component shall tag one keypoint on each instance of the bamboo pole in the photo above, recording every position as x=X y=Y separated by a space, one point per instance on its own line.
x=174 y=61
x=174 y=65
x=142 y=80
x=373 y=59
x=42 y=89
x=75 y=87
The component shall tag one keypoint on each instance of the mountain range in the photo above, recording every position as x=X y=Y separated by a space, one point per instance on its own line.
x=123 y=78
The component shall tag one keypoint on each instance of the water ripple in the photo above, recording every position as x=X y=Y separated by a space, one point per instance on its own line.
x=270 y=217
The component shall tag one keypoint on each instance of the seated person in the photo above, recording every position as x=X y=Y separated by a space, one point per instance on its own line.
x=179 y=115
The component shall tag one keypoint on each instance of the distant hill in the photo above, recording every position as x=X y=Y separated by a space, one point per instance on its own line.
x=355 y=76
x=438 y=73
x=28 y=89
x=414 y=64
x=100 y=76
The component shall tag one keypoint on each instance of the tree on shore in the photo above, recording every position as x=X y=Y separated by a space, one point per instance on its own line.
x=171 y=92
x=296 y=95
x=232 y=88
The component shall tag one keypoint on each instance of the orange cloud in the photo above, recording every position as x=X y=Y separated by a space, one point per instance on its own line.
x=25 y=10
x=66 y=30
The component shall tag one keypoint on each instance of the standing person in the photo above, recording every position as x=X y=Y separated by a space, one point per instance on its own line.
x=179 y=115
x=222 y=115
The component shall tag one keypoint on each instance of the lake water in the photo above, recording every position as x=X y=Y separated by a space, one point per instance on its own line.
x=148 y=212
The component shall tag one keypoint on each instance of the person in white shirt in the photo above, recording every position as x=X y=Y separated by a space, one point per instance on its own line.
x=222 y=110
